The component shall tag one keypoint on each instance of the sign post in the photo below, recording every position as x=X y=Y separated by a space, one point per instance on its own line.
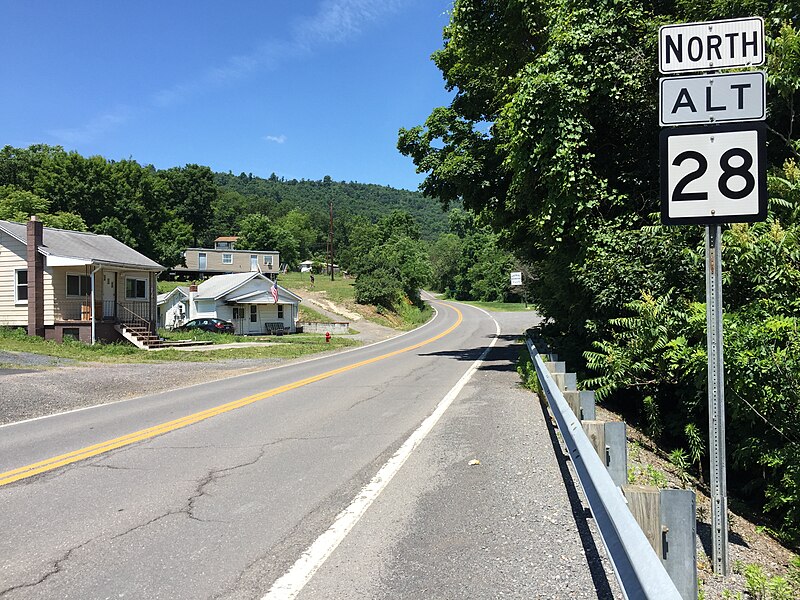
x=716 y=400
x=713 y=174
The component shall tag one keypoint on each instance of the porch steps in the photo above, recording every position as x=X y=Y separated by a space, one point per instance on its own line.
x=139 y=336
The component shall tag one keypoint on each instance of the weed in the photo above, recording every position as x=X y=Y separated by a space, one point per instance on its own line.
x=780 y=589
x=680 y=460
x=655 y=477
x=755 y=582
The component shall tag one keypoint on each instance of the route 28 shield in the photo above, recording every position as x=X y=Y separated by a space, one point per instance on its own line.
x=713 y=174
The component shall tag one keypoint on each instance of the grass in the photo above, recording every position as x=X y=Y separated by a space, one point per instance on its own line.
x=290 y=346
x=164 y=287
x=309 y=315
x=339 y=291
x=500 y=306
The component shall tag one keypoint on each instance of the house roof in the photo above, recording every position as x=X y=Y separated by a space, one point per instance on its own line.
x=227 y=238
x=221 y=285
x=182 y=290
x=91 y=248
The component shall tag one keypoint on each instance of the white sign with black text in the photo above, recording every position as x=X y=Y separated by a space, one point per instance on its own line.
x=713 y=174
x=516 y=278
x=723 y=98
x=711 y=45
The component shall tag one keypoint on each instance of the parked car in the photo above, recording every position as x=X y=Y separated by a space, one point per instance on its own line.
x=212 y=325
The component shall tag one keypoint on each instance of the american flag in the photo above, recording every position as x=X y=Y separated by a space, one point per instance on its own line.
x=274 y=290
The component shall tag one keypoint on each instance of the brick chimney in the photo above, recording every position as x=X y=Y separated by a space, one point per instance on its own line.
x=35 y=278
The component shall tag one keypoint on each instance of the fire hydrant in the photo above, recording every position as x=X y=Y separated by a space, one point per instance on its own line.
x=327 y=337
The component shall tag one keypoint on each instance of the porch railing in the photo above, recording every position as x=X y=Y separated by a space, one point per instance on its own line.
x=128 y=312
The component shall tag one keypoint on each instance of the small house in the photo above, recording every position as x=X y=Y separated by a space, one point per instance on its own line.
x=254 y=303
x=72 y=284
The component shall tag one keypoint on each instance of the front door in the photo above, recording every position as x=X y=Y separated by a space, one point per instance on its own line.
x=109 y=293
x=253 y=323
x=254 y=262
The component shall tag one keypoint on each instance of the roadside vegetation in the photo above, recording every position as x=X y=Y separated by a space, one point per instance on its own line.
x=294 y=346
x=552 y=141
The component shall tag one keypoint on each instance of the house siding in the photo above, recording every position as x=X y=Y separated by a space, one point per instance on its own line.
x=241 y=261
x=13 y=256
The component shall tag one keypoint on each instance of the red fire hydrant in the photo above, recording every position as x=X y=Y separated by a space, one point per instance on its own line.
x=327 y=337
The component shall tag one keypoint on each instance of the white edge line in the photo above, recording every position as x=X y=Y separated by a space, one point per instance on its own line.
x=289 y=585
x=186 y=387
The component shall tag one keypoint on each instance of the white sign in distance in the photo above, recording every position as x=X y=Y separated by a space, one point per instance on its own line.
x=711 y=45
x=713 y=174
x=696 y=99
x=516 y=278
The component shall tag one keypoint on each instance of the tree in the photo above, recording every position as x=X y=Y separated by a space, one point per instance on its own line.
x=551 y=139
x=18 y=205
x=258 y=232
x=192 y=192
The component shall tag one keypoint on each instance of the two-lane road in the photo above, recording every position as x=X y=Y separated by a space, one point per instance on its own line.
x=177 y=495
x=244 y=487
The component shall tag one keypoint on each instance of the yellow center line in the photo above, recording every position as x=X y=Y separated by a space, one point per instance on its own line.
x=144 y=434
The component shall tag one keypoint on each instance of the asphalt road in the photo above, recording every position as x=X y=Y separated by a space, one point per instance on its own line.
x=248 y=472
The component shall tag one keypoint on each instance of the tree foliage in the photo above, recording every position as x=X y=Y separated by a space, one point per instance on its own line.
x=551 y=138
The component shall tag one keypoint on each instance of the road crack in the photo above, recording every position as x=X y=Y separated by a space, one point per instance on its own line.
x=57 y=567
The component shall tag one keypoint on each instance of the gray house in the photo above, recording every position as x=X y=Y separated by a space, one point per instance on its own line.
x=85 y=286
x=224 y=258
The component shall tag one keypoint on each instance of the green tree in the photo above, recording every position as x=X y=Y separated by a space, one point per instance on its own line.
x=192 y=193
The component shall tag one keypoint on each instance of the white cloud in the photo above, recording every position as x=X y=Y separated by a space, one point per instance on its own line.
x=95 y=127
x=335 y=22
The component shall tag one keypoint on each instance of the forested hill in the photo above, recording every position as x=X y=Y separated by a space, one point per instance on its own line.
x=277 y=196
x=161 y=212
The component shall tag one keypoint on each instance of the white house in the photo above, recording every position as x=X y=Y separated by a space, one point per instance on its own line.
x=173 y=307
x=246 y=300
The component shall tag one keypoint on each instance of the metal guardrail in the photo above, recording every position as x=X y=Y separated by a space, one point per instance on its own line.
x=638 y=569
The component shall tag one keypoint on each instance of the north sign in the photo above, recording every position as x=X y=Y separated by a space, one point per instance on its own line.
x=713 y=174
x=711 y=45
x=697 y=99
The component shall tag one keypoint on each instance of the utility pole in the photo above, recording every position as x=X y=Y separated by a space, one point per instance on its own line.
x=330 y=238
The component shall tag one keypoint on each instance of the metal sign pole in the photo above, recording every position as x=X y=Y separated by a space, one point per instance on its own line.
x=716 y=400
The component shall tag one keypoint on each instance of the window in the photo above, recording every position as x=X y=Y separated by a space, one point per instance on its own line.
x=268 y=261
x=238 y=312
x=202 y=263
x=254 y=313
x=223 y=245
x=79 y=285
x=227 y=259
x=21 y=286
x=135 y=289
x=280 y=311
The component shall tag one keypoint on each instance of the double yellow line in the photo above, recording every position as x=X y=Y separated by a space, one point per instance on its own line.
x=144 y=434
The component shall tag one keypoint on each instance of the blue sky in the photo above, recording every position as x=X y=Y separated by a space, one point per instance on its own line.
x=301 y=88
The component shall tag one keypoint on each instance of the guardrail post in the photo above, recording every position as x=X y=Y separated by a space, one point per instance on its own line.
x=581 y=403
x=556 y=366
x=566 y=381
x=610 y=443
x=668 y=520
x=616 y=452
x=679 y=531
x=587 y=405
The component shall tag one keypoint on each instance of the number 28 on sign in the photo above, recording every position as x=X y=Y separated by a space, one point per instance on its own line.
x=713 y=174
